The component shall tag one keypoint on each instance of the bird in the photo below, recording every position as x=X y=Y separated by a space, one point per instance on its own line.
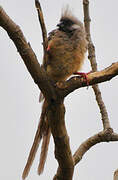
x=66 y=50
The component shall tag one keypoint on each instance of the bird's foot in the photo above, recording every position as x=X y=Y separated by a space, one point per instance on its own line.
x=84 y=75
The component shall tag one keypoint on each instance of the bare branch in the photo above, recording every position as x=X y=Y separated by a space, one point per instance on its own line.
x=74 y=83
x=92 y=57
x=43 y=28
x=42 y=23
x=38 y=74
x=56 y=114
x=104 y=136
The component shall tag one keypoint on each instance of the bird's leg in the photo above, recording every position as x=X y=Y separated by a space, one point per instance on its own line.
x=84 y=75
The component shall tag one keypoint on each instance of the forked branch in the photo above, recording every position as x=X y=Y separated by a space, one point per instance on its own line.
x=23 y=47
x=107 y=134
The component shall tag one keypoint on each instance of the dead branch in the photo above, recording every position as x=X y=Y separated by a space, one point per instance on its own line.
x=27 y=54
x=92 y=58
x=77 y=82
x=62 y=148
x=104 y=136
x=43 y=28
x=42 y=23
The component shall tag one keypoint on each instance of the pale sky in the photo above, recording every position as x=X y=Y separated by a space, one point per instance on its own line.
x=19 y=106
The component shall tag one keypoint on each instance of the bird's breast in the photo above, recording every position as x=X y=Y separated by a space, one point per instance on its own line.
x=65 y=58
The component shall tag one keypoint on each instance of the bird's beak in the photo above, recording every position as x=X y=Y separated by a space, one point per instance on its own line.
x=60 y=25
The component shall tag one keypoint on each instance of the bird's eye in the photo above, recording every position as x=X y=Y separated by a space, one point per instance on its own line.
x=68 y=22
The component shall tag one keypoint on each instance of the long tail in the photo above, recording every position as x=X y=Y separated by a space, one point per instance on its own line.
x=44 y=150
x=40 y=132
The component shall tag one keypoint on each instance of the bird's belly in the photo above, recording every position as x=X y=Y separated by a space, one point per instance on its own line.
x=63 y=64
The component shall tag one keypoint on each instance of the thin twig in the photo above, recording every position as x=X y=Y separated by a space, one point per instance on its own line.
x=92 y=58
x=42 y=23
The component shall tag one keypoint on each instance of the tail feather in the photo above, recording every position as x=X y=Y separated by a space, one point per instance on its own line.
x=32 y=154
x=37 y=139
x=44 y=150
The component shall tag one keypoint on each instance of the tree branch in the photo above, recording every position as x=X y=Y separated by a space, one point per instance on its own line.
x=38 y=74
x=56 y=115
x=104 y=136
x=92 y=57
x=43 y=27
x=77 y=82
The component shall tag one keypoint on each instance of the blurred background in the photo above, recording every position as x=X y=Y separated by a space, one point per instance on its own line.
x=19 y=95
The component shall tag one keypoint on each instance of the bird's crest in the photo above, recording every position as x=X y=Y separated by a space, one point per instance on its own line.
x=67 y=14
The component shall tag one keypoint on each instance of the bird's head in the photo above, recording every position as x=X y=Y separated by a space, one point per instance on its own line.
x=68 y=22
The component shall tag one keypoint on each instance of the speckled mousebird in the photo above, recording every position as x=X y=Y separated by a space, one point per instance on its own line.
x=66 y=51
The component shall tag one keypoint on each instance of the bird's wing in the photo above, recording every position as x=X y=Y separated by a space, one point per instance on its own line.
x=51 y=35
x=47 y=60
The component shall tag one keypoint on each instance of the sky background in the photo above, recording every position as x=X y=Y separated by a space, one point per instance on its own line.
x=19 y=106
